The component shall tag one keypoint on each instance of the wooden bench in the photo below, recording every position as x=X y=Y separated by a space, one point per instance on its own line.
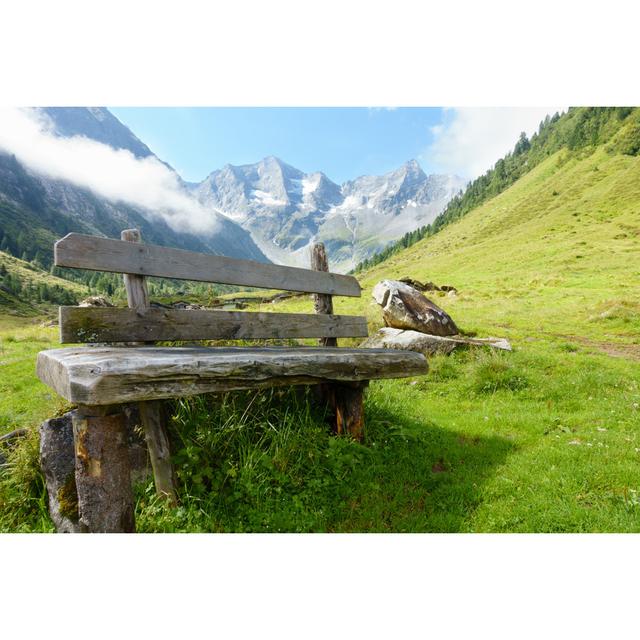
x=121 y=365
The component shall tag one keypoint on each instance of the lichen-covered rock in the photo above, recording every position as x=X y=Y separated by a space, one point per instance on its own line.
x=58 y=465
x=404 y=307
x=407 y=340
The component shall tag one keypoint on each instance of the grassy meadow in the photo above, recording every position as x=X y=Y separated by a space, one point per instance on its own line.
x=543 y=439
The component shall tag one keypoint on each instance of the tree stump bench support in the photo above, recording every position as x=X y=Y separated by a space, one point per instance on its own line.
x=103 y=473
x=122 y=363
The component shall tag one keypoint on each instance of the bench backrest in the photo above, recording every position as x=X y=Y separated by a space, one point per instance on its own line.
x=140 y=322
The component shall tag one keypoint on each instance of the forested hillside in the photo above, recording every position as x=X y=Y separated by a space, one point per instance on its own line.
x=578 y=132
x=25 y=288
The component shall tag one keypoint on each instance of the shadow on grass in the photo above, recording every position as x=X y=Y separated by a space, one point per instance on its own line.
x=267 y=463
x=422 y=477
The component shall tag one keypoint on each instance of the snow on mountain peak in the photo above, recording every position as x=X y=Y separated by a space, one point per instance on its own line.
x=286 y=209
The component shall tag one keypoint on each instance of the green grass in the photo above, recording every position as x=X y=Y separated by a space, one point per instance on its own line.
x=545 y=438
x=24 y=400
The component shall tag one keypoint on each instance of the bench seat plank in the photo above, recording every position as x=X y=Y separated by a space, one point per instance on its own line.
x=111 y=375
x=98 y=324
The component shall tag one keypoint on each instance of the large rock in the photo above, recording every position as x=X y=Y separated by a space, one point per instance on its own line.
x=390 y=338
x=404 y=307
x=58 y=465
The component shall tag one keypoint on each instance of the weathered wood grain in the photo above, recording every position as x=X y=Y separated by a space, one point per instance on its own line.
x=105 y=254
x=109 y=324
x=152 y=415
x=104 y=375
x=135 y=285
x=151 y=412
x=349 y=408
x=103 y=472
x=323 y=303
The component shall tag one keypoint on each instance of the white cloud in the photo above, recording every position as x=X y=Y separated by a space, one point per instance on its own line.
x=471 y=139
x=114 y=174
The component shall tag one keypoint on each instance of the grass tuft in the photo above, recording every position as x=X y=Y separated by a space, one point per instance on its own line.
x=493 y=372
x=23 y=496
x=625 y=311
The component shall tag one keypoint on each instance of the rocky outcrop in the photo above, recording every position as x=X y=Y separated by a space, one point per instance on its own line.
x=286 y=210
x=390 y=338
x=95 y=301
x=427 y=286
x=429 y=345
x=404 y=307
x=58 y=465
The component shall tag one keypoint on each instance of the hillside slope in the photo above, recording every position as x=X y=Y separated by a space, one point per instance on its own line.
x=25 y=288
x=32 y=201
x=557 y=252
x=580 y=130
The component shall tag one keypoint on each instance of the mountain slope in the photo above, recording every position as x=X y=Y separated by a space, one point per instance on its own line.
x=35 y=211
x=264 y=211
x=49 y=205
x=579 y=131
x=555 y=253
x=285 y=209
x=96 y=123
x=24 y=285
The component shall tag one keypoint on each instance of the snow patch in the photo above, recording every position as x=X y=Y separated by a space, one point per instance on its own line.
x=267 y=199
x=310 y=184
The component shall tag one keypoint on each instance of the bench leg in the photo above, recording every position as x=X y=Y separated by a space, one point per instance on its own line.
x=348 y=402
x=103 y=474
x=152 y=418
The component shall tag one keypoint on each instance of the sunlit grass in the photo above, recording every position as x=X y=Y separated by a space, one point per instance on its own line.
x=545 y=438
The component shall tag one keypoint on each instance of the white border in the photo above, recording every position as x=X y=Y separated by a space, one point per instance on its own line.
x=372 y=53
x=321 y=586
x=335 y=52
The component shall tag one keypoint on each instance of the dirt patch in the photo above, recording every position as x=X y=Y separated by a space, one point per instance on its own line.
x=439 y=467
x=613 y=349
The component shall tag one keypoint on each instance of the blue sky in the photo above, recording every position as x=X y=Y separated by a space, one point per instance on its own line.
x=342 y=142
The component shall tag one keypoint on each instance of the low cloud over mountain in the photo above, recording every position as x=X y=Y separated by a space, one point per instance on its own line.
x=114 y=173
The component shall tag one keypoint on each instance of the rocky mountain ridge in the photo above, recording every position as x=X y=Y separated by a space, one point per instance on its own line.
x=286 y=210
